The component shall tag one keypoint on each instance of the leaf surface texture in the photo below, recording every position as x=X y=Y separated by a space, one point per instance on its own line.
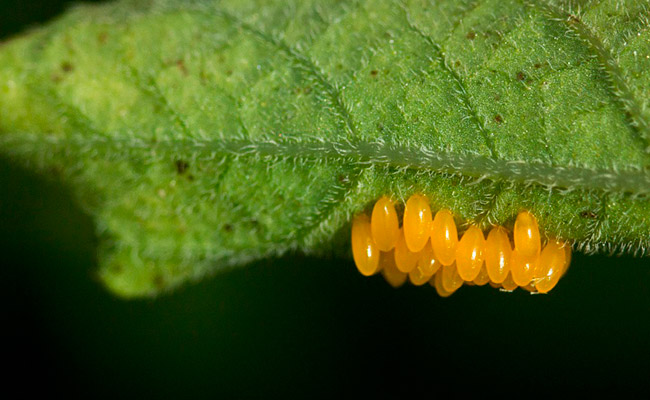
x=204 y=135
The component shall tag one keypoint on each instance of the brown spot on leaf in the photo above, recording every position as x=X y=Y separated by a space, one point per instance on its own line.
x=180 y=64
x=538 y=65
x=471 y=35
x=181 y=166
x=589 y=214
x=227 y=228
x=374 y=73
x=102 y=37
x=520 y=76
x=498 y=119
x=67 y=67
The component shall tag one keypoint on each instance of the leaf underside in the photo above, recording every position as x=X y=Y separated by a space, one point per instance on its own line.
x=203 y=135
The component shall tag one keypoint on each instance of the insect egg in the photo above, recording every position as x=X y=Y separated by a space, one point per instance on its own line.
x=364 y=249
x=526 y=235
x=426 y=250
x=405 y=259
x=482 y=278
x=522 y=267
x=436 y=282
x=427 y=262
x=426 y=266
x=393 y=276
x=470 y=253
x=509 y=284
x=444 y=237
x=384 y=224
x=497 y=254
x=550 y=267
x=417 y=222
x=451 y=281
x=419 y=277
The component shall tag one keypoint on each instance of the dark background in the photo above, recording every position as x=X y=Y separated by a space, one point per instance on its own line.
x=295 y=325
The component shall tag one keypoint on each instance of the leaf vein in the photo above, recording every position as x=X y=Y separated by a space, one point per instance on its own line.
x=331 y=89
x=331 y=201
x=460 y=85
x=619 y=90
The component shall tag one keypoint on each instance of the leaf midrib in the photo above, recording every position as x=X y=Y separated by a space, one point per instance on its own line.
x=629 y=181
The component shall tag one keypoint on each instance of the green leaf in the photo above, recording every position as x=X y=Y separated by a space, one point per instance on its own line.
x=204 y=135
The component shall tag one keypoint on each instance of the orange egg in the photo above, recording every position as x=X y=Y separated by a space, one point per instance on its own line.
x=451 y=281
x=436 y=282
x=393 y=276
x=526 y=235
x=550 y=267
x=497 y=254
x=427 y=261
x=405 y=259
x=378 y=244
x=470 y=253
x=509 y=283
x=418 y=277
x=444 y=237
x=426 y=266
x=417 y=222
x=364 y=249
x=482 y=278
x=522 y=268
x=384 y=224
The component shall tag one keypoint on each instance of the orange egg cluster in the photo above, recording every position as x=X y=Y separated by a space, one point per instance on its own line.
x=427 y=249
